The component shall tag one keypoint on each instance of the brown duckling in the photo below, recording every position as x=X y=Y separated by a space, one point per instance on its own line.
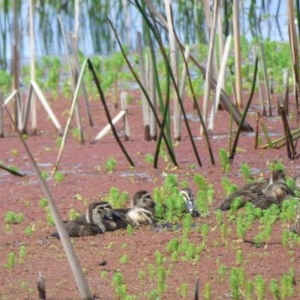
x=93 y=222
x=261 y=194
x=142 y=212
x=296 y=226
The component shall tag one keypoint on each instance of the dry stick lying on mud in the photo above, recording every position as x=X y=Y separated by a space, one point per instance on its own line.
x=81 y=283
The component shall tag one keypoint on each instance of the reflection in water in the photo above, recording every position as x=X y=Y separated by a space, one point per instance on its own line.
x=95 y=36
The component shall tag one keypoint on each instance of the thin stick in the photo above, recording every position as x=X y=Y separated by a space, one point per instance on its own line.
x=96 y=80
x=174 y=68
x=219 y=84
x=108 y=127
x=32 y=68
x=208 y=75
x=84 y=92
x=16 y=60
x=246 y=110
x=71 y=113
x=1 y=115
x=124 y=96
x=263 y=59
x=289 y=140
x=82 y=285
x=183 y=78
x=142 y=71
x=46 y=106
x=286 y=90
x=169 y=148
x=257 y=130
x=11 y=171
x=224 y=97
x=237 y=52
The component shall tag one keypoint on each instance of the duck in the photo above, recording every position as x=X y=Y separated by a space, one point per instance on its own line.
x=262 y=194
x=93 y=222
x=297 y=182
x=188 y=197
x=142 y=211
x=295 y=228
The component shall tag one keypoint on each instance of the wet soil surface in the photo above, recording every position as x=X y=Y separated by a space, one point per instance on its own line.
x=85 y=179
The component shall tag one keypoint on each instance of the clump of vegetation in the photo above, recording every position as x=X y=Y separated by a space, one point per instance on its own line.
x=116 y=198
x=13 y=218
x=110 y=164
x=224 y=160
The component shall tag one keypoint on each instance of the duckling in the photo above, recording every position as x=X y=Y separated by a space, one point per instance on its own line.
x=92 y=223
x=143 y=210
x=97 y=212
x=277 y=187
x=296 y=226
x=187 y=195
x=261 y=194
x=297 y=182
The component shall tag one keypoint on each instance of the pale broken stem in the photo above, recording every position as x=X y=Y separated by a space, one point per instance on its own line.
x=208 y=75
x=71 y=113
x=174 y=67
x=142 y=71
x=64 y=237
x=107 y=128
x=237 y=52
x=46 y=106
x=220 y=83
x=32 y=66
x=183 y=78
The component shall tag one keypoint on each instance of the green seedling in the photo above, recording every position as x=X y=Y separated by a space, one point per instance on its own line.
x=183 y=290
x=274 y=288
x=59 y=176
x=13 y=218
x=142 y=275
x=58 y=142
x=161 y=279
x=124 y=259
x=15 y=152
x=224 y=160
x=43 y=203
x=129 y=229
x=22 y=253
x=45 y=175
x=239 y=257
x=246 y=173
x=103 y=275
x=75 y=133
x=11 y=260
x=260 y=287
x=207 y=291
x=29 y=230
x=73 y=214
x=149 y=158
x=110 y=165
x=159 y=258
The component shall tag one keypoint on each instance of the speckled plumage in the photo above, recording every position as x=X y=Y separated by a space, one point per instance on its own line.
x=262 y=194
